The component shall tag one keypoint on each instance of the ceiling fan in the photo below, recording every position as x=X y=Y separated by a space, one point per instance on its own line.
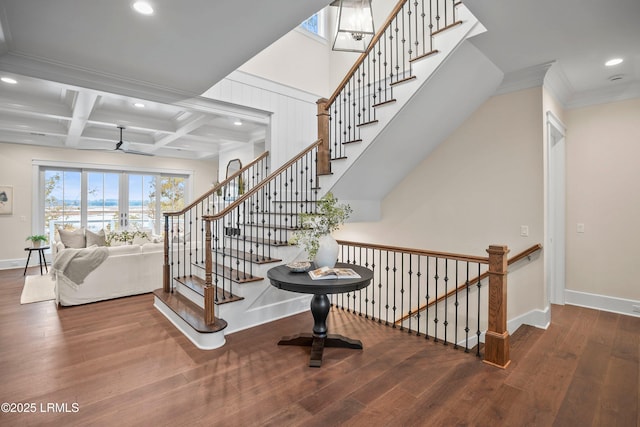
x=119 y=146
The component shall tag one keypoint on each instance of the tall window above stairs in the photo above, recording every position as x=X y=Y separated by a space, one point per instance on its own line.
x=315 y=26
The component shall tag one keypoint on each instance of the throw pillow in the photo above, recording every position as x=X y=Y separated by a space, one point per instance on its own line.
x=72 y=239
x=96 y=238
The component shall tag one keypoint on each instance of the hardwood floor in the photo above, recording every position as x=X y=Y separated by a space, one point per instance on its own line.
x=122 y=363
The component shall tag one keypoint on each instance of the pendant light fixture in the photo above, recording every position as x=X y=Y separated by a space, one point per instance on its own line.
x=355 y=25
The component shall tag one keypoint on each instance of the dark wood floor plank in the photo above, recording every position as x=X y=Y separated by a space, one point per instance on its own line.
x=123 y=363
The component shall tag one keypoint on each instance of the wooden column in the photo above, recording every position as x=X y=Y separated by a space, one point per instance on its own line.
x=496 y=349
x=166 y=283
x=209 y=290
x=324 y=154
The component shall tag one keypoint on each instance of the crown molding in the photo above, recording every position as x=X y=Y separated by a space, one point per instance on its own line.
x=525 y=78
x=556 y=82
x=614 y=93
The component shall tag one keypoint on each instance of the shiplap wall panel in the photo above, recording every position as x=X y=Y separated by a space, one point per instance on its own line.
x=293 y=112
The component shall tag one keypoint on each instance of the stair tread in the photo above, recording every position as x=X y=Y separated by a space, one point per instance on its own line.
x=256 y=259
x=190 y=312
x=383 y=103
x=261 y=241
x=404 y=80
x=197 y=285
x=371 y=122
x=271 y=226
x=425 y=55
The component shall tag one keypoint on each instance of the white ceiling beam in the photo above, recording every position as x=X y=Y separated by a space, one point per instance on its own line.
x=189 y=126
x=27 y=105
x=131 y=121
x=33 y=125
x=82 y=108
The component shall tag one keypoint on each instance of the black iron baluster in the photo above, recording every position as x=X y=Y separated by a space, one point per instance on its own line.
x=478 y=330
x=466 y=326
x=410 y=293
x=418 y=275
x=446 y=300
x=435 y=320
x=456 y=304
x=426 y=318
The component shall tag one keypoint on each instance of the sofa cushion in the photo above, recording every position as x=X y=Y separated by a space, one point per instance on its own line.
x=152 y=247
x=72 y=239
x=97 y=239
x=124 y=250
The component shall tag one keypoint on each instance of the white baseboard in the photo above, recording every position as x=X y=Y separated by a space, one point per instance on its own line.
x=537 y=318
x=7 y=264
x=601 y=302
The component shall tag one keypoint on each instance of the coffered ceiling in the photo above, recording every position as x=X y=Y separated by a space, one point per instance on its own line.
x=82 y=66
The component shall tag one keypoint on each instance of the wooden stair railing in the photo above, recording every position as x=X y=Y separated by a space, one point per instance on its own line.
x=524 y=254
x=268 y=205
x=405 y=37
x=249 y=175
x=405 y=273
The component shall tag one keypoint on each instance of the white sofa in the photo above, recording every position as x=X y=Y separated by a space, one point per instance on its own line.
x=128 y=270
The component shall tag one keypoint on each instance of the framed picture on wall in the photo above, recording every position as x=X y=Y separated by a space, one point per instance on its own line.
x=6 y=200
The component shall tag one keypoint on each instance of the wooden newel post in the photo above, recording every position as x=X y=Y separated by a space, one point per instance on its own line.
x=209 y=290
x=496 y=349
x=166 y=284
x=324 y=154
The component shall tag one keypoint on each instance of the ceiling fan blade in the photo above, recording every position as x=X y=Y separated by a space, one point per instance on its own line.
x=140 y=153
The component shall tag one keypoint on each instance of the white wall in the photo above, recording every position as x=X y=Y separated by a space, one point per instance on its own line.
x=476 y=189
x=603 y=193
x=306 y=63
x=16 y=171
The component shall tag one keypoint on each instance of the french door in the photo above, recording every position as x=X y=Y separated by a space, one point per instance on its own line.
x=107 y=200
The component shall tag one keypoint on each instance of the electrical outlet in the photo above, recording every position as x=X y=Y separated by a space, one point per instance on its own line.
x=636 y=308
x=524 y=230
x=580 y=228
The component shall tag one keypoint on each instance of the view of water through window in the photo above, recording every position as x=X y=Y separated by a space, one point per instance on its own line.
x=111 y=201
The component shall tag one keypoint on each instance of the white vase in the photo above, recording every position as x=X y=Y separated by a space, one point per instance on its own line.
x=327 y=254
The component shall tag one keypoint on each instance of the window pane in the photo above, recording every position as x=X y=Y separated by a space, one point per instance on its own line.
x=102 y=201
x=62 y=201
x=172 y=193
x=141 y=209
x=311 y=24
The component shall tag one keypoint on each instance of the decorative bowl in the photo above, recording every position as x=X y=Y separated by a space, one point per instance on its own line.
x=299 y=266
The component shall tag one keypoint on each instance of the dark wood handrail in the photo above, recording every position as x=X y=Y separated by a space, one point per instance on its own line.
x=264 y=182
x=219 y=186
x=459 y=257
x=364 y=54
x=512 y=260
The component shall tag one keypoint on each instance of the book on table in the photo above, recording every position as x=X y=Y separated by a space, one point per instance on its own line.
x=333 y=273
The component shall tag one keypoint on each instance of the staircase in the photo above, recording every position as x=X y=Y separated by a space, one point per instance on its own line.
x=218 y=249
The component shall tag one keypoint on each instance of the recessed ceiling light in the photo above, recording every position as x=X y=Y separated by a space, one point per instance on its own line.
x=237 y=123
x=138 y=105
x=614 y=61
x=143 y=8
x=9 y=80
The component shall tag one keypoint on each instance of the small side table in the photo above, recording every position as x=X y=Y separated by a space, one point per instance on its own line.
x=282 y=278
x=42 y=260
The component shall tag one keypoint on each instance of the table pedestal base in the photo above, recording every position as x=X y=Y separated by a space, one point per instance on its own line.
x=318 y=344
